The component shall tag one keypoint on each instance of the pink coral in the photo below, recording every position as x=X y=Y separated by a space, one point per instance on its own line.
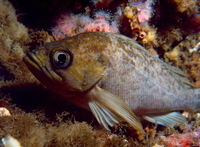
x=70 y=24
x=66 y=25
x=182 y=140
x=144 y=8
x=101 y=23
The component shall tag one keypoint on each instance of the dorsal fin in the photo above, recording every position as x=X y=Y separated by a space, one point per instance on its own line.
x=179 y=75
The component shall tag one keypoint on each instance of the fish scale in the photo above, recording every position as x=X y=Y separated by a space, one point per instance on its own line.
x=136 y=74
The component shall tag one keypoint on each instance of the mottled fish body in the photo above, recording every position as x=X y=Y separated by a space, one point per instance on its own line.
x=115 y=78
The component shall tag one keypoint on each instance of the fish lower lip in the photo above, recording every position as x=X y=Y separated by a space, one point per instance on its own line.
x=38 y=63
x=34 y=59
x=34 y=63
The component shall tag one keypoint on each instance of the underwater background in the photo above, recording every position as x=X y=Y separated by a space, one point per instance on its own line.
x=169 y=29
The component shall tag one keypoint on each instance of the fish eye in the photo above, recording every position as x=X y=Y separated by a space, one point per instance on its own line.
x=61 y=58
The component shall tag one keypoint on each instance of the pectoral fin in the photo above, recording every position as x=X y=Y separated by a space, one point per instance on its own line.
x=109 y=109
x=170 y=119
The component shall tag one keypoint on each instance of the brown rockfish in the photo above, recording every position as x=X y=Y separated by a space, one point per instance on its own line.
x=115 y=78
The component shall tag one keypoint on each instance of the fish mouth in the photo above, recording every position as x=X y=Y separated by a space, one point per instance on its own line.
x=40 y=71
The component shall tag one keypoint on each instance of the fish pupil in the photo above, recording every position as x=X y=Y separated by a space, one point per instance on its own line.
x=62 y=58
